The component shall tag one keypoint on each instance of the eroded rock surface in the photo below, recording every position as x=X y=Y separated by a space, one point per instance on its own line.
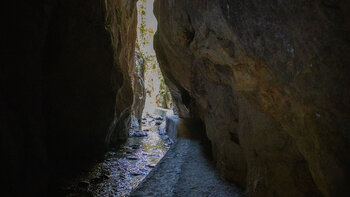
x=121 y=22
x=67 y=72
x=139 y=88
x=269 y=79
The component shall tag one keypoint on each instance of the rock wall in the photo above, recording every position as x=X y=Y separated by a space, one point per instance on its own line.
x=139 y=88
x=269 y=79
x=66 y=75
x=121 y=20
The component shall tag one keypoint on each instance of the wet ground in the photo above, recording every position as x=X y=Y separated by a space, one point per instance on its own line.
x=187 y=170
x=123 y=170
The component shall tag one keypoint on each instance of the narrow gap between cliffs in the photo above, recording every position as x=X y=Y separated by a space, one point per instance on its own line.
x=125 y=166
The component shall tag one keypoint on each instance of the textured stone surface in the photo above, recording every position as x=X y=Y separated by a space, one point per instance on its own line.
x=139 y=88
x=121 y=21
x=269 y=79
x=67 y=70
x=186 y=169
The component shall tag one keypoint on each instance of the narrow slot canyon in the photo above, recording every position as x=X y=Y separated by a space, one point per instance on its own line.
x=175 y=98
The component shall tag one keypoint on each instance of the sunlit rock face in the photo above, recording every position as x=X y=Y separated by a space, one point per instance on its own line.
x=121 y=23
x=66 y=75
x=139 y=90
x=270 y=81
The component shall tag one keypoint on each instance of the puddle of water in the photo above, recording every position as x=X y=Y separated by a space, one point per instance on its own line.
x=123 y=170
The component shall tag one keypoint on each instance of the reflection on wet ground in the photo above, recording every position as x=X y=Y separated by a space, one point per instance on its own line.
x=123 y=169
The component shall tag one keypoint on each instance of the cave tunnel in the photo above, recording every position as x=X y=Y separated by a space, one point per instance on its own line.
x=258 y=94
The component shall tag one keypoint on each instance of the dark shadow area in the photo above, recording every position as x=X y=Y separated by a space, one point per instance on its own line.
x=194 y=129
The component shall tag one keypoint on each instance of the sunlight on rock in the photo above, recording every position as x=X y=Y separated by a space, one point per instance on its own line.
x=157 y=93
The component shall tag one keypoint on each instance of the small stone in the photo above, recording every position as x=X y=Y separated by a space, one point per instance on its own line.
x=138 y=134
x=132 y=158
x=135 y=173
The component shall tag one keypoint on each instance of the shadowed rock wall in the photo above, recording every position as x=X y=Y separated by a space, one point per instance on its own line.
x=269 y=79
x=66 y=75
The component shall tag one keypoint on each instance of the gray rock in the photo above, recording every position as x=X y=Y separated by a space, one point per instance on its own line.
x=138 y=134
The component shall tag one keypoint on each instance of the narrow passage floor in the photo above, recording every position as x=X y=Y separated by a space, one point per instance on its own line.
x=125 y=167
x=186 y=170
